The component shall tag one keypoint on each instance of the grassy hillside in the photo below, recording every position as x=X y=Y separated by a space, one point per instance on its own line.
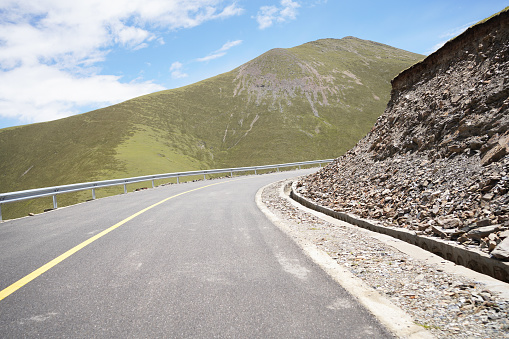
x=309 y=102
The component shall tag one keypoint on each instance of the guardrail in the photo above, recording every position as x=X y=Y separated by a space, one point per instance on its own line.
x=54 y=191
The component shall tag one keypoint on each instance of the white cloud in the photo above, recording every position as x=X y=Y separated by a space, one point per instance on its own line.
x=50 y=49
x=289 y=11
x=267 y=15
x=231 y=10
x=229 y=45
x=211 y=57
x=133 y=37
x=176 y=70
x=220 y=52
x=176 y=65
x=41 y=92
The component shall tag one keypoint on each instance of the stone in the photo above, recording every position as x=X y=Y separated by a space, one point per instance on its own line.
x=484 y=243
x=422 y=226
x=438 y=231
x=494 y=154
x=475 y=144
x=463 y=238
x=456 y=148
x=488 y=196
x=456 y=98
x=449 y=222
x=493 y=237
x=504 y=234
x=441 y=232
x=483 y=222
x=502 y=250
x=482 y=232
x=503 y=218
x=504 y=140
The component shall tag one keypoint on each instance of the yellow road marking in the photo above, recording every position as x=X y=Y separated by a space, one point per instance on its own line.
x=25 y=280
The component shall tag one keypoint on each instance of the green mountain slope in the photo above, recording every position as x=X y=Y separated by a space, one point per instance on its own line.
x=309 y=102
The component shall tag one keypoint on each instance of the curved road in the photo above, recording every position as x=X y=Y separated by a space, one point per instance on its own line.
x=203 y=263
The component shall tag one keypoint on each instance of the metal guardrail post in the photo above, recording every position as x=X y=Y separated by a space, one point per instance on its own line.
x=178 y=180
x=153 y=183
x=255 y=171
x=55 y=206
x=0 y=212
x=204 y=178
x=125 y=188
x=93 y=193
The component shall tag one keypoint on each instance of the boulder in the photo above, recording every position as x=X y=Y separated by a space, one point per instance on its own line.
x=481 y=232
x=449 y=222
x=494 y=154
x=502 y=250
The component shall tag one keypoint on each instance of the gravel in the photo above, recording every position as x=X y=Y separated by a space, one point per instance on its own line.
x=448 y=305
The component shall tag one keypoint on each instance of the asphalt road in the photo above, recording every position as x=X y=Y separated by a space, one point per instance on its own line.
x=205 y=263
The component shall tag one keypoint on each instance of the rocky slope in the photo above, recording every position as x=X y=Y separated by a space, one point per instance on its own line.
x=437 y=160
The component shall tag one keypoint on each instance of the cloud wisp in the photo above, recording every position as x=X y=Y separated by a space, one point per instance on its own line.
x=268 y=15
x=220 y=52
x=51 y=50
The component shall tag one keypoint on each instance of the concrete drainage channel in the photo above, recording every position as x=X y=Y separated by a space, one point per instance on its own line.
x=470 y=258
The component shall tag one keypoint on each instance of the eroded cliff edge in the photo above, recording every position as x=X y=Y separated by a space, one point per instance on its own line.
x=437 y=160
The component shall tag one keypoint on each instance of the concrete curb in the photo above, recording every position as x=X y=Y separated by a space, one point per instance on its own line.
x=470 y=258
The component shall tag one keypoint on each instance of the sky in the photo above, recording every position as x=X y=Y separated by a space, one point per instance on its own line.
x=62 y=57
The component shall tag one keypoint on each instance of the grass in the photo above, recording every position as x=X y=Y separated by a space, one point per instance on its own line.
x=146 y=149
x=260 y=113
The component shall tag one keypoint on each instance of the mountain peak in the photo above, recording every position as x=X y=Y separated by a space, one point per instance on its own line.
x=316 y=69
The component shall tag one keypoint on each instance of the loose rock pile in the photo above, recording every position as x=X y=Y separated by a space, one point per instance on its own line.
x=437 y=160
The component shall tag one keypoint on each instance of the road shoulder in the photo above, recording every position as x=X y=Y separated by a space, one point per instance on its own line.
x=414 y=293
x=392 y=317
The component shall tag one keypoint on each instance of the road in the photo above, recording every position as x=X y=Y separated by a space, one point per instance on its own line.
x=203 y=263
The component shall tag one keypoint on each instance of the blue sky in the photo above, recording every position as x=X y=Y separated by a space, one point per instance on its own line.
x=61 y=57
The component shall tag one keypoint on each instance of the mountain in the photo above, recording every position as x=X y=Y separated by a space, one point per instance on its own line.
x=437 y=160
x=312 y=101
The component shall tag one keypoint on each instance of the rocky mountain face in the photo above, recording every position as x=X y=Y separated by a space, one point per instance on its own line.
x=437 y=160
